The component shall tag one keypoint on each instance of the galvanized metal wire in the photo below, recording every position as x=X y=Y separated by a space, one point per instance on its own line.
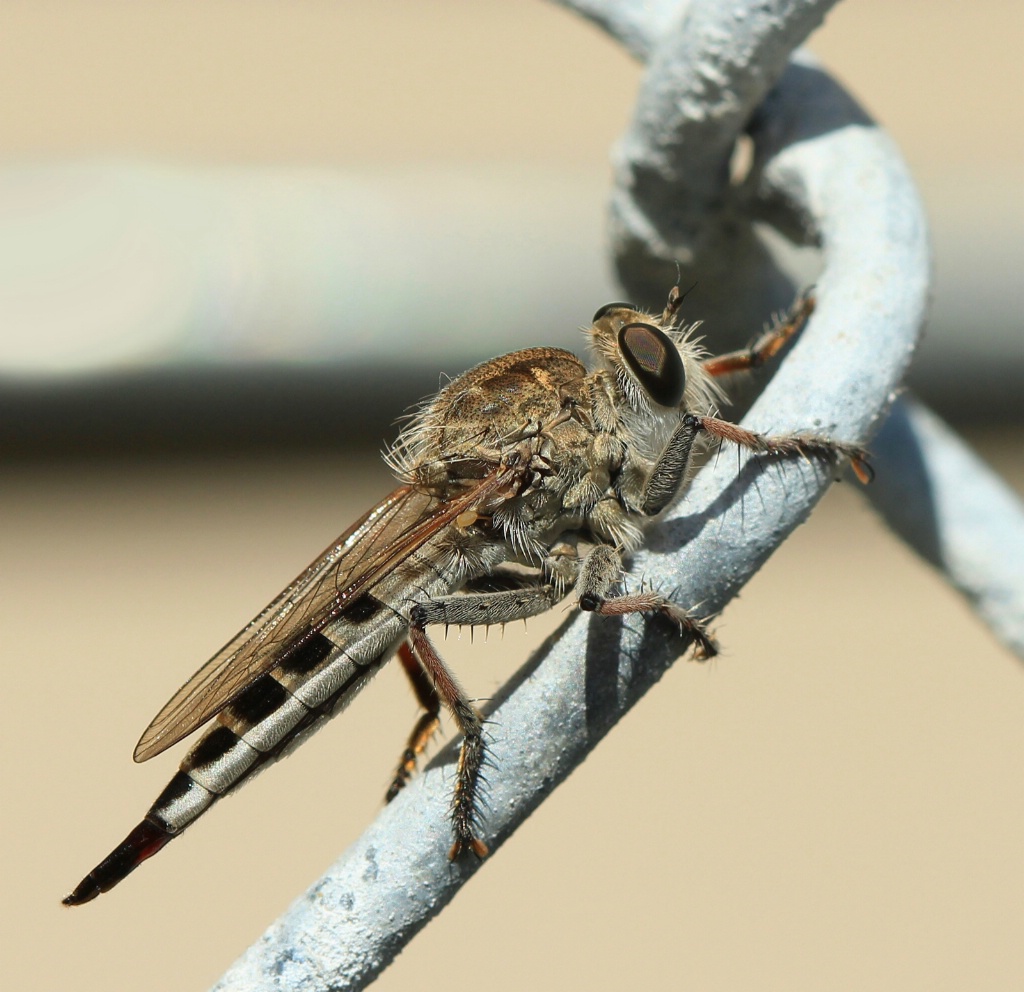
x=827 y=175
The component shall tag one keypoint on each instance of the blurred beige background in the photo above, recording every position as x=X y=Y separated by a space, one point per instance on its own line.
x=834 y=803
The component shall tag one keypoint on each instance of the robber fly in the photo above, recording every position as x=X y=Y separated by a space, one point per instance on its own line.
x=521 y=482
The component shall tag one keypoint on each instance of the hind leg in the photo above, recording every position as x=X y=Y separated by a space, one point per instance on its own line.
x=470 y=609
x=426 y=726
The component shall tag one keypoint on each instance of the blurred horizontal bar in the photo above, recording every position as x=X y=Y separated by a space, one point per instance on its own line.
x=209 y=410
x=155 y=307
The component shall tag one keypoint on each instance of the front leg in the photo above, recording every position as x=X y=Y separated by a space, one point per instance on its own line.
x=671 y=468
x=767 y=346
x=806 y=445
x=673 y=465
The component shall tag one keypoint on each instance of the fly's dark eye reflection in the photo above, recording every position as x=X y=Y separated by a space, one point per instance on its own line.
x=655 y=361
x=608 y=307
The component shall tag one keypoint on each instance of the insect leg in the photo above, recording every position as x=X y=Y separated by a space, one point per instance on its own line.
x=767 y=346
x=464 y=812
x=807 y=445
x=670 y=469
x=470 y=608
x=600 y=571
x=426 y=726
x=477 y=609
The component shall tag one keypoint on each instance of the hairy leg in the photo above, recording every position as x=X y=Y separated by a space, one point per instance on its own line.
x=767 y=346
x=475 y=609
x=426 y=726
x=600 y=572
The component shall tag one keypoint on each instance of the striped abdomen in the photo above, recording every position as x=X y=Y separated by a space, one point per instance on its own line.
x=271 y=716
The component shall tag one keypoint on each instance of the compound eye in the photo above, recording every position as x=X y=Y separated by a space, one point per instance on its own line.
x=655 y=361
x=608 y=307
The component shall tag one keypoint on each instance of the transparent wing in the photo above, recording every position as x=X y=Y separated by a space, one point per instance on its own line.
x=367 y=551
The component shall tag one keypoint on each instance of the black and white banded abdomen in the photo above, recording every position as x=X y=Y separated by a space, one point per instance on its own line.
x=264 y=722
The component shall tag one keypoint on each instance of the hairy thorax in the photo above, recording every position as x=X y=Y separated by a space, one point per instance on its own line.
x=531 y=408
